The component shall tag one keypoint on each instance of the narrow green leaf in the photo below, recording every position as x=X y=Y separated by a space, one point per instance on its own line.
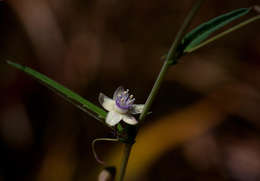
x=204 y=30
x=66 y=93
x=230 y=30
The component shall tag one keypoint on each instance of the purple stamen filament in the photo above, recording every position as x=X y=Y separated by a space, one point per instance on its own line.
x=124 y=101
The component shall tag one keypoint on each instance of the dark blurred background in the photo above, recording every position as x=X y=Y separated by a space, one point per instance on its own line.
x=204 y=123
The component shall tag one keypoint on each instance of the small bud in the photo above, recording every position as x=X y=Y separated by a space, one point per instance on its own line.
x=107 y=174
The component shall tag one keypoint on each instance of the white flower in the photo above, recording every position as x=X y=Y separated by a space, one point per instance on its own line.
x=120 y=107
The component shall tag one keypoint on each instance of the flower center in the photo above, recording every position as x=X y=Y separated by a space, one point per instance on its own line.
x=124 y=101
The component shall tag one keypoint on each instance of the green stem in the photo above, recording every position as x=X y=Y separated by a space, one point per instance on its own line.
x=170 y=55
x=158 y=82
x=240 y=25
x=154 y=90
x=127 y=151
x=183 y=29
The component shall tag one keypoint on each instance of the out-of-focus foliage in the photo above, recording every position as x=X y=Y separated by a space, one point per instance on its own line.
x=204 y=123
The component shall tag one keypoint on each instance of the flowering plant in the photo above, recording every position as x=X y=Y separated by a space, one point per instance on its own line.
x=121 y=107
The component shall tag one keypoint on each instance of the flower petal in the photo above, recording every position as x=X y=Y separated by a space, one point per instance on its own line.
x=106 y=102
x=113 y=118
x=129 y=119
x=136 y=108
x=119 y=90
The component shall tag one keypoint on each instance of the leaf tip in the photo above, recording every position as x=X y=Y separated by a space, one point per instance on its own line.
x=8 y=62
x=16 y=65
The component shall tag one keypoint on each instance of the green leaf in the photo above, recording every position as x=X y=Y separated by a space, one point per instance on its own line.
x=230 y=30
x=204 y=30
x=66 y=93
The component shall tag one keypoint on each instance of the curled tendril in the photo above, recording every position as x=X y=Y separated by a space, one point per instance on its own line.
x=94 y=150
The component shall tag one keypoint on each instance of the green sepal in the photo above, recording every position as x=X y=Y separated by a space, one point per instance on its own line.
x=120 y=128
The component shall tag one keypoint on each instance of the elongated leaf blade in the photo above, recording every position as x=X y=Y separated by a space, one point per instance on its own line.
x=224 y=33
x=203 y=31
x=66 y=93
